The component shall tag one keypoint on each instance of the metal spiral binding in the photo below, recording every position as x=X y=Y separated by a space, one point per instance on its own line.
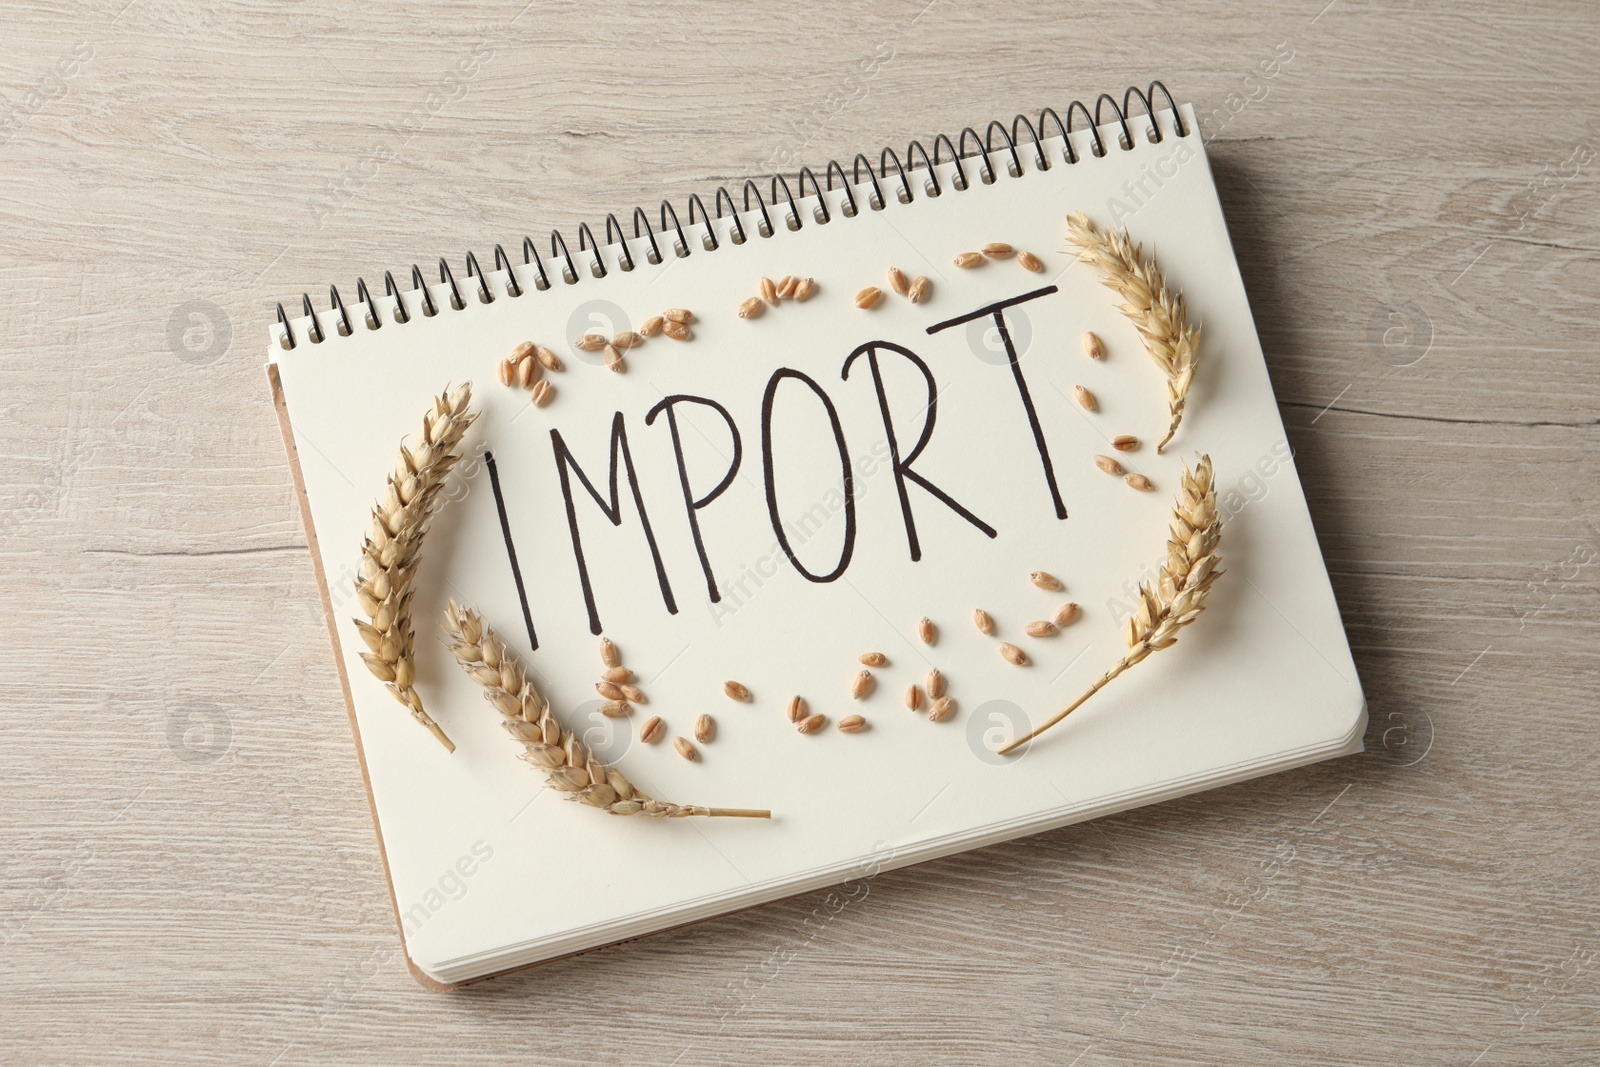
x=891 y=171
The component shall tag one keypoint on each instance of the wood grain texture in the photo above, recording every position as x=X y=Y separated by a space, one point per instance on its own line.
x=218 y=897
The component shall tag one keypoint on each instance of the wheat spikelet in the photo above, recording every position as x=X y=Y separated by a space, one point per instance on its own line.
x=1157 y=312
x=565 y=759
x=1179 y=593
x=392 y=549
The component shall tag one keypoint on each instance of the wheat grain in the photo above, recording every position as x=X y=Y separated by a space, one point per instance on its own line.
x=1086 y=400
x=686 y=749
x=618 y=675
x=546 y=357
x=1066 y=614
x=1159 y=315
x=982 y=621
x=797 y=708
x=998 y=250
x=568 y=764
x=626 y=340
x=1042 y=628
x=969 y=260
x=1046 y=581
x=541 y=394
x=1029 y=261
x=941 y=709
x=676 y=330
x=1179 y=592
x=751 y=308
x=609 y=654
x=682 y=316
x=861 y=686
x=616 y=709
x=508 y=371
x=852 y=724
x=651 y=731
x=653 y=325
x=868 y=297
x=804 y=288
x=919 y=290
x=614 y=360
x=1013 y=654
x=913 y=697
x=898 y=281
x=812 y=723
x=1109 y=465
x=786 y=286
x=705 y=728
x=1092 y=346
x=634 y=694
x=927 y=631
x=935 y=683
x=1125 y=442
x=1139 y=482
x=736 y=691
x=527 y=372
x=392 y=549
x=590 y=342
x=874 y=659
x=609 y=690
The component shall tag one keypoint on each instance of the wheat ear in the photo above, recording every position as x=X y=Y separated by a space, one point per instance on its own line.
x=1179 y=594
x=1156 y=311
x=392 y=549
x=565 y=759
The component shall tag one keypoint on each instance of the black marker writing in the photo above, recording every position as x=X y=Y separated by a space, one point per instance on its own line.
x=511 y=549
x=767 y=402
x=692 y=505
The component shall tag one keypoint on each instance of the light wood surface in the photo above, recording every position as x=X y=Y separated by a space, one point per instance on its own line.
x=216 y=896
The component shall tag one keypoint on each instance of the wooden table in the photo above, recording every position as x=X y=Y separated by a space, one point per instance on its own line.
x=189 y=869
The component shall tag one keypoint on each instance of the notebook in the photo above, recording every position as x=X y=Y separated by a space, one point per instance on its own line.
x=783 y=494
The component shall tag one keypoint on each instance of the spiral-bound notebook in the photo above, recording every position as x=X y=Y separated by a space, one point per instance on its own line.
x=785 y=492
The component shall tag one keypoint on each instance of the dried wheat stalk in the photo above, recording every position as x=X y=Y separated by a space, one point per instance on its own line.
x=570 y=766
x=392 y=549
x=1157 y=312
x=1179 y=593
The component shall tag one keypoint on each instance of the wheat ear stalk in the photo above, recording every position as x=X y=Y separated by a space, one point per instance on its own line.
x=565 y=759
x=392 y=549
x=1156 y=311
x=1179 y=594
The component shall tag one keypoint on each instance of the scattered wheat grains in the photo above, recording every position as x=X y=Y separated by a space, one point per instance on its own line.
x=614 y=360
x=508 y=371
x=527 y=372
x=1139 y=482
x=769 y=290
x=786 y=287
x=1067 y=614
x=969 y=259
x=676 y=330
x=812 y=723
x=804 y=288
x=634 y=694
x=651 y=731
x=1109 y=465
x=682 y=316
x=1086 y=400
x=736 y=691
x=868 y=297
x=919 y=290
x=862 y=685
x=935 y=683
x=1013 y=654
x=541 y=393
x=1092 y=346
x=1029 y=261
x=705 y=728
x=852 y=724
x=941 y=709
x=1042 y=628
x=653 y=325
x=874 y=659
x=609 y=690
x=1046 y=581
x=618 y=675
x=616 y=709
x=751 y=308
x=609 y=654
x=549 y=359
x=590 y=342
x=898 y=281
x=627 y=339
x=927 y=631
x=686 y=749
x=797 y=709
x=1125 y=442
x=998 y=250
x=913 y=697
